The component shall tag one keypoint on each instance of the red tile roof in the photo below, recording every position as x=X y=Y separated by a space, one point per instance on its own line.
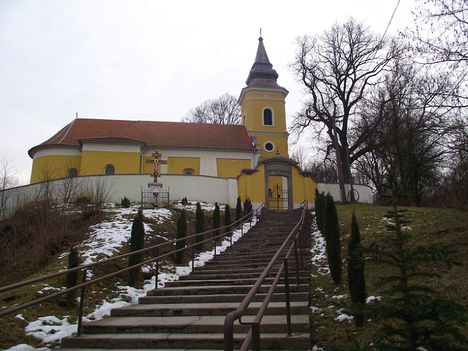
x=150 y=133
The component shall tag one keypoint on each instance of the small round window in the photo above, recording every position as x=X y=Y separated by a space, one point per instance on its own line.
x=269 y=146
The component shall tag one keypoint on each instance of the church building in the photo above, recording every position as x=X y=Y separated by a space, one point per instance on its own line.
x=254 y=153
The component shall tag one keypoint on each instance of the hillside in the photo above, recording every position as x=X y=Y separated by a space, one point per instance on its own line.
x=44 y=325
x=428 y=226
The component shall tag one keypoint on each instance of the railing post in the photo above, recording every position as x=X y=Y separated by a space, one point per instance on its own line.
x=286 y=291
x=80 y=312
x=255 y=336
x=156 y=275
x=296 y=261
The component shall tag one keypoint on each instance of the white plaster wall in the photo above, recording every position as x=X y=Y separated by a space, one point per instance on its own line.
x=208 y=158
x=107 y=147
x=201 y=188
x=57 y=151
x=364 y=191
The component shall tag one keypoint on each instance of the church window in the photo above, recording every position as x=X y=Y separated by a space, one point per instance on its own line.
x=269 y=146
x=188 y=171
x=72 y=172
x=267 y=117
x=109 y=170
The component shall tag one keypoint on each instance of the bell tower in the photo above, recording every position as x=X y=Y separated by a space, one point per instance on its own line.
x=263 y=107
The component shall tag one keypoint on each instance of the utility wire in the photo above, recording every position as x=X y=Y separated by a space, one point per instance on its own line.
x=391 y=19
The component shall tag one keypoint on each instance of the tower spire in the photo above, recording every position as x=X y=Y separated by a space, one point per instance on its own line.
x=262 y=71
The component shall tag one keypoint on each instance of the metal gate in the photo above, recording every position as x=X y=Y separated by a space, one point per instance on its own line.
x=278 y=198
x=150 y=199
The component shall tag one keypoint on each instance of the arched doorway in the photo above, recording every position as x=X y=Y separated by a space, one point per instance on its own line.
x=278 y=183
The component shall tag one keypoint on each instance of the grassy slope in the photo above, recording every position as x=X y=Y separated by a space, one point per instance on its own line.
x=12 y=330
x=429 y=226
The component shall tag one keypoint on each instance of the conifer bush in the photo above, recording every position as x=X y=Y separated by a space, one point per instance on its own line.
x=199 y=224
x=414 y=315
x=319 y=202
x=247 y=206
x=227 y=218
x=356 y=278
x=238 y=208
x=216 y=219
x=125 y=202
x=181 y=234
x=332 y=238
x=137 y=242
x=72 y=277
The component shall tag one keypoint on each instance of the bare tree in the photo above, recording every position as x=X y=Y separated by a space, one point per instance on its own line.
x=442 y=30
x=414 y=126
x=336 y=68
x=7 y=180
x=223 y=110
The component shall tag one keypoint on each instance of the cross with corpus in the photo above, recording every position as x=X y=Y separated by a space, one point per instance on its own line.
x=156 y=160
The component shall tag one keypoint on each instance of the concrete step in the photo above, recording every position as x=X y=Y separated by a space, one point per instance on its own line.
x=204 y=309
x=191 y=324
x=213 y=282
x=298 y=341
x=277 y=297
x=221 y=289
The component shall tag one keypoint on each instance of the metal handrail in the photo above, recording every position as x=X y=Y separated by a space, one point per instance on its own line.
x=253 y=336
x=84 y=268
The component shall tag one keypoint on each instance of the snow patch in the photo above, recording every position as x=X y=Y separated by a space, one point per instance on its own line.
x=372 y=299
x=318 y=250
x=343 y=316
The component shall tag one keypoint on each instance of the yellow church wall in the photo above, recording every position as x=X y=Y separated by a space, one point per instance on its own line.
x=177 y=165
x=53 y=167
x=231 y=168
x=280 y=142
x=94 y=162
x=303 y=187
x=253 y=105
x=252 y=186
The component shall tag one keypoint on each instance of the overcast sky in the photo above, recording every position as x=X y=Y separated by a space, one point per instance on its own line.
x=148 y=60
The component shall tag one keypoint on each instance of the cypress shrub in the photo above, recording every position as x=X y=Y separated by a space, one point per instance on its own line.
x=332 y=239
x=199 y=224
x=238 y=208
x=137 y=242
x=227 y=218
x=216 y=219
x=318 y=210
x=247 y=206
x=72 y=277
x=181 y=233
x=356 y=279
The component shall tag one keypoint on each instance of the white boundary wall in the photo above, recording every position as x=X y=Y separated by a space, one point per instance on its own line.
x=201 y=188
x=364 y=192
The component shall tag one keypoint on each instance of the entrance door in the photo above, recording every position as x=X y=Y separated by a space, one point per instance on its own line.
x=277 y=193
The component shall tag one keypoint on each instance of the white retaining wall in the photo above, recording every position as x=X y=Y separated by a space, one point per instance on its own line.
x=116 y=187
x=363 y=192
x=201 y=188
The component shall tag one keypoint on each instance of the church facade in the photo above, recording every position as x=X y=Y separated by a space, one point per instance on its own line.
x=254 y=153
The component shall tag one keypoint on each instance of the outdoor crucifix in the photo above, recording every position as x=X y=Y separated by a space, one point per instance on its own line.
x=156 y=161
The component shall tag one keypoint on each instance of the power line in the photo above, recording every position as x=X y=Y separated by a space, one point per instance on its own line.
x=391 y=19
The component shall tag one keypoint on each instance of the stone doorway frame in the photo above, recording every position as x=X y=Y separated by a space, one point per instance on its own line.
x=279 y=166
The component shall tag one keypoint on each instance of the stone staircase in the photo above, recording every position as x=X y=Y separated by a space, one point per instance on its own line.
x=189 y=314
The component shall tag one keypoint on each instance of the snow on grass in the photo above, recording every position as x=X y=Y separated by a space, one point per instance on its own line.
x=319 y=256
x=107 y=237
x=50 y=329
x=372 y=299
x=25 y=347
x=343 y=316
x=192 y=206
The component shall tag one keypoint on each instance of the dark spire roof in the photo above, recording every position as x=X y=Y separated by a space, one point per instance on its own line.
x=262 y=71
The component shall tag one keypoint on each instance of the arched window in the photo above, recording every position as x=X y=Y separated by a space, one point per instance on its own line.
x=109 y=170
x=267 y=117
x=72 y=172
x=188 y=171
